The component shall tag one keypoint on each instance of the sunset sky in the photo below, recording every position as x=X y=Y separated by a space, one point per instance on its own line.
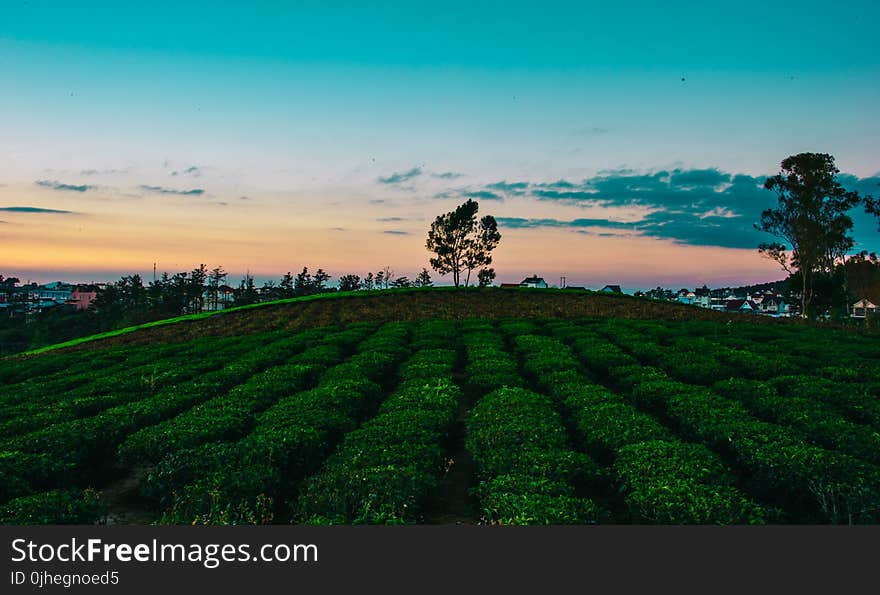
x=615 y=144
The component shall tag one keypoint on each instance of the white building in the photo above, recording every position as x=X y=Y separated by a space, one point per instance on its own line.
x=534 y=281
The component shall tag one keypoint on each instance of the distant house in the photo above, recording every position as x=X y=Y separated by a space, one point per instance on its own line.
x=57 y=285
x=863 y=308
x=718 y=304
x=534 y=281
x=509 y=285
x=773 y=305
x=575 y=287
x=611 y=289
x=703 y=301
x=737 y=305
x=82 y=296
x=55 y=291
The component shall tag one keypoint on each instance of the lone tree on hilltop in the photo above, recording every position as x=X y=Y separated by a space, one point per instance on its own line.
x=461 y=242
x=811 y=216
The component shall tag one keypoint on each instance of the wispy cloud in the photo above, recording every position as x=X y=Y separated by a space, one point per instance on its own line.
x=474 y=193
x=723 y=212
x=509 y=187
x=396 y=232
x=56 y=185
x=174 y=191
x=557 y=185
x=521 y=223
x=446 y=175
x=193 y=171
x=103 y=172
x=483 y=195
x=390 y=219
x=34 y=210
x=400 y=177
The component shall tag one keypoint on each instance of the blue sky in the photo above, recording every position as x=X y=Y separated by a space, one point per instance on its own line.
x=304 y=108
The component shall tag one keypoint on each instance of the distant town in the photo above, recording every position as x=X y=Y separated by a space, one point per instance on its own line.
x=765 y=300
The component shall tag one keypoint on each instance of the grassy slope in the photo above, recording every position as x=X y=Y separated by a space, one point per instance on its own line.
x=396 y=304
x=185 y=318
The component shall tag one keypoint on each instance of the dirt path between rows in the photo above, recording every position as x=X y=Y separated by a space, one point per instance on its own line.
x=455 y=504
x=123 y=501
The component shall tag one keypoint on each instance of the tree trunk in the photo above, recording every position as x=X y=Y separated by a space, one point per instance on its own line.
x=805 y=301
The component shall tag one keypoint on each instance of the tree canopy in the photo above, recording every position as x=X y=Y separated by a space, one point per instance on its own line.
x=810 y=217
x=461 y=242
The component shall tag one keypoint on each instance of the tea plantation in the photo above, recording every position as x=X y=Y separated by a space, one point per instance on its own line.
x=506 y=421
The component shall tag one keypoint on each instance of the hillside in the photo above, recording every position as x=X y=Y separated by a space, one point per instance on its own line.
x=443 y=303
x=436 y=406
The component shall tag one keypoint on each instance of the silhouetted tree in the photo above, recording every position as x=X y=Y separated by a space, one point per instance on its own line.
x=215 y=280
x=401 y=282
x=269 y=291
x=423 y=279
x=461 y=242
x=246 y=293
x=7 y=286
x=195 y=290
x=303 y=283
x=872 y=207
x=387 y=276
x=479 y=251
x=485 y=277
x=350 y=282
x=319 y=281
x=308 y=284
x=811 y=216
x=863 y=274
x=367 y=282
x=286 y=287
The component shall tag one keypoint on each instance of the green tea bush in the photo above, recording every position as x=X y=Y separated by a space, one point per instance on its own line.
x=516 y=327
x=384 y=471
x=288 y=441
x=224 y=417
x=607 y=427
x=56 y=507
x=816 y=421
x=670 y=482
x=517 y=433
x=853 y=399
x=692 y=367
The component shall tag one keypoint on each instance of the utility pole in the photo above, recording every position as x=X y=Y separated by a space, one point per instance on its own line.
x=562 y=283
